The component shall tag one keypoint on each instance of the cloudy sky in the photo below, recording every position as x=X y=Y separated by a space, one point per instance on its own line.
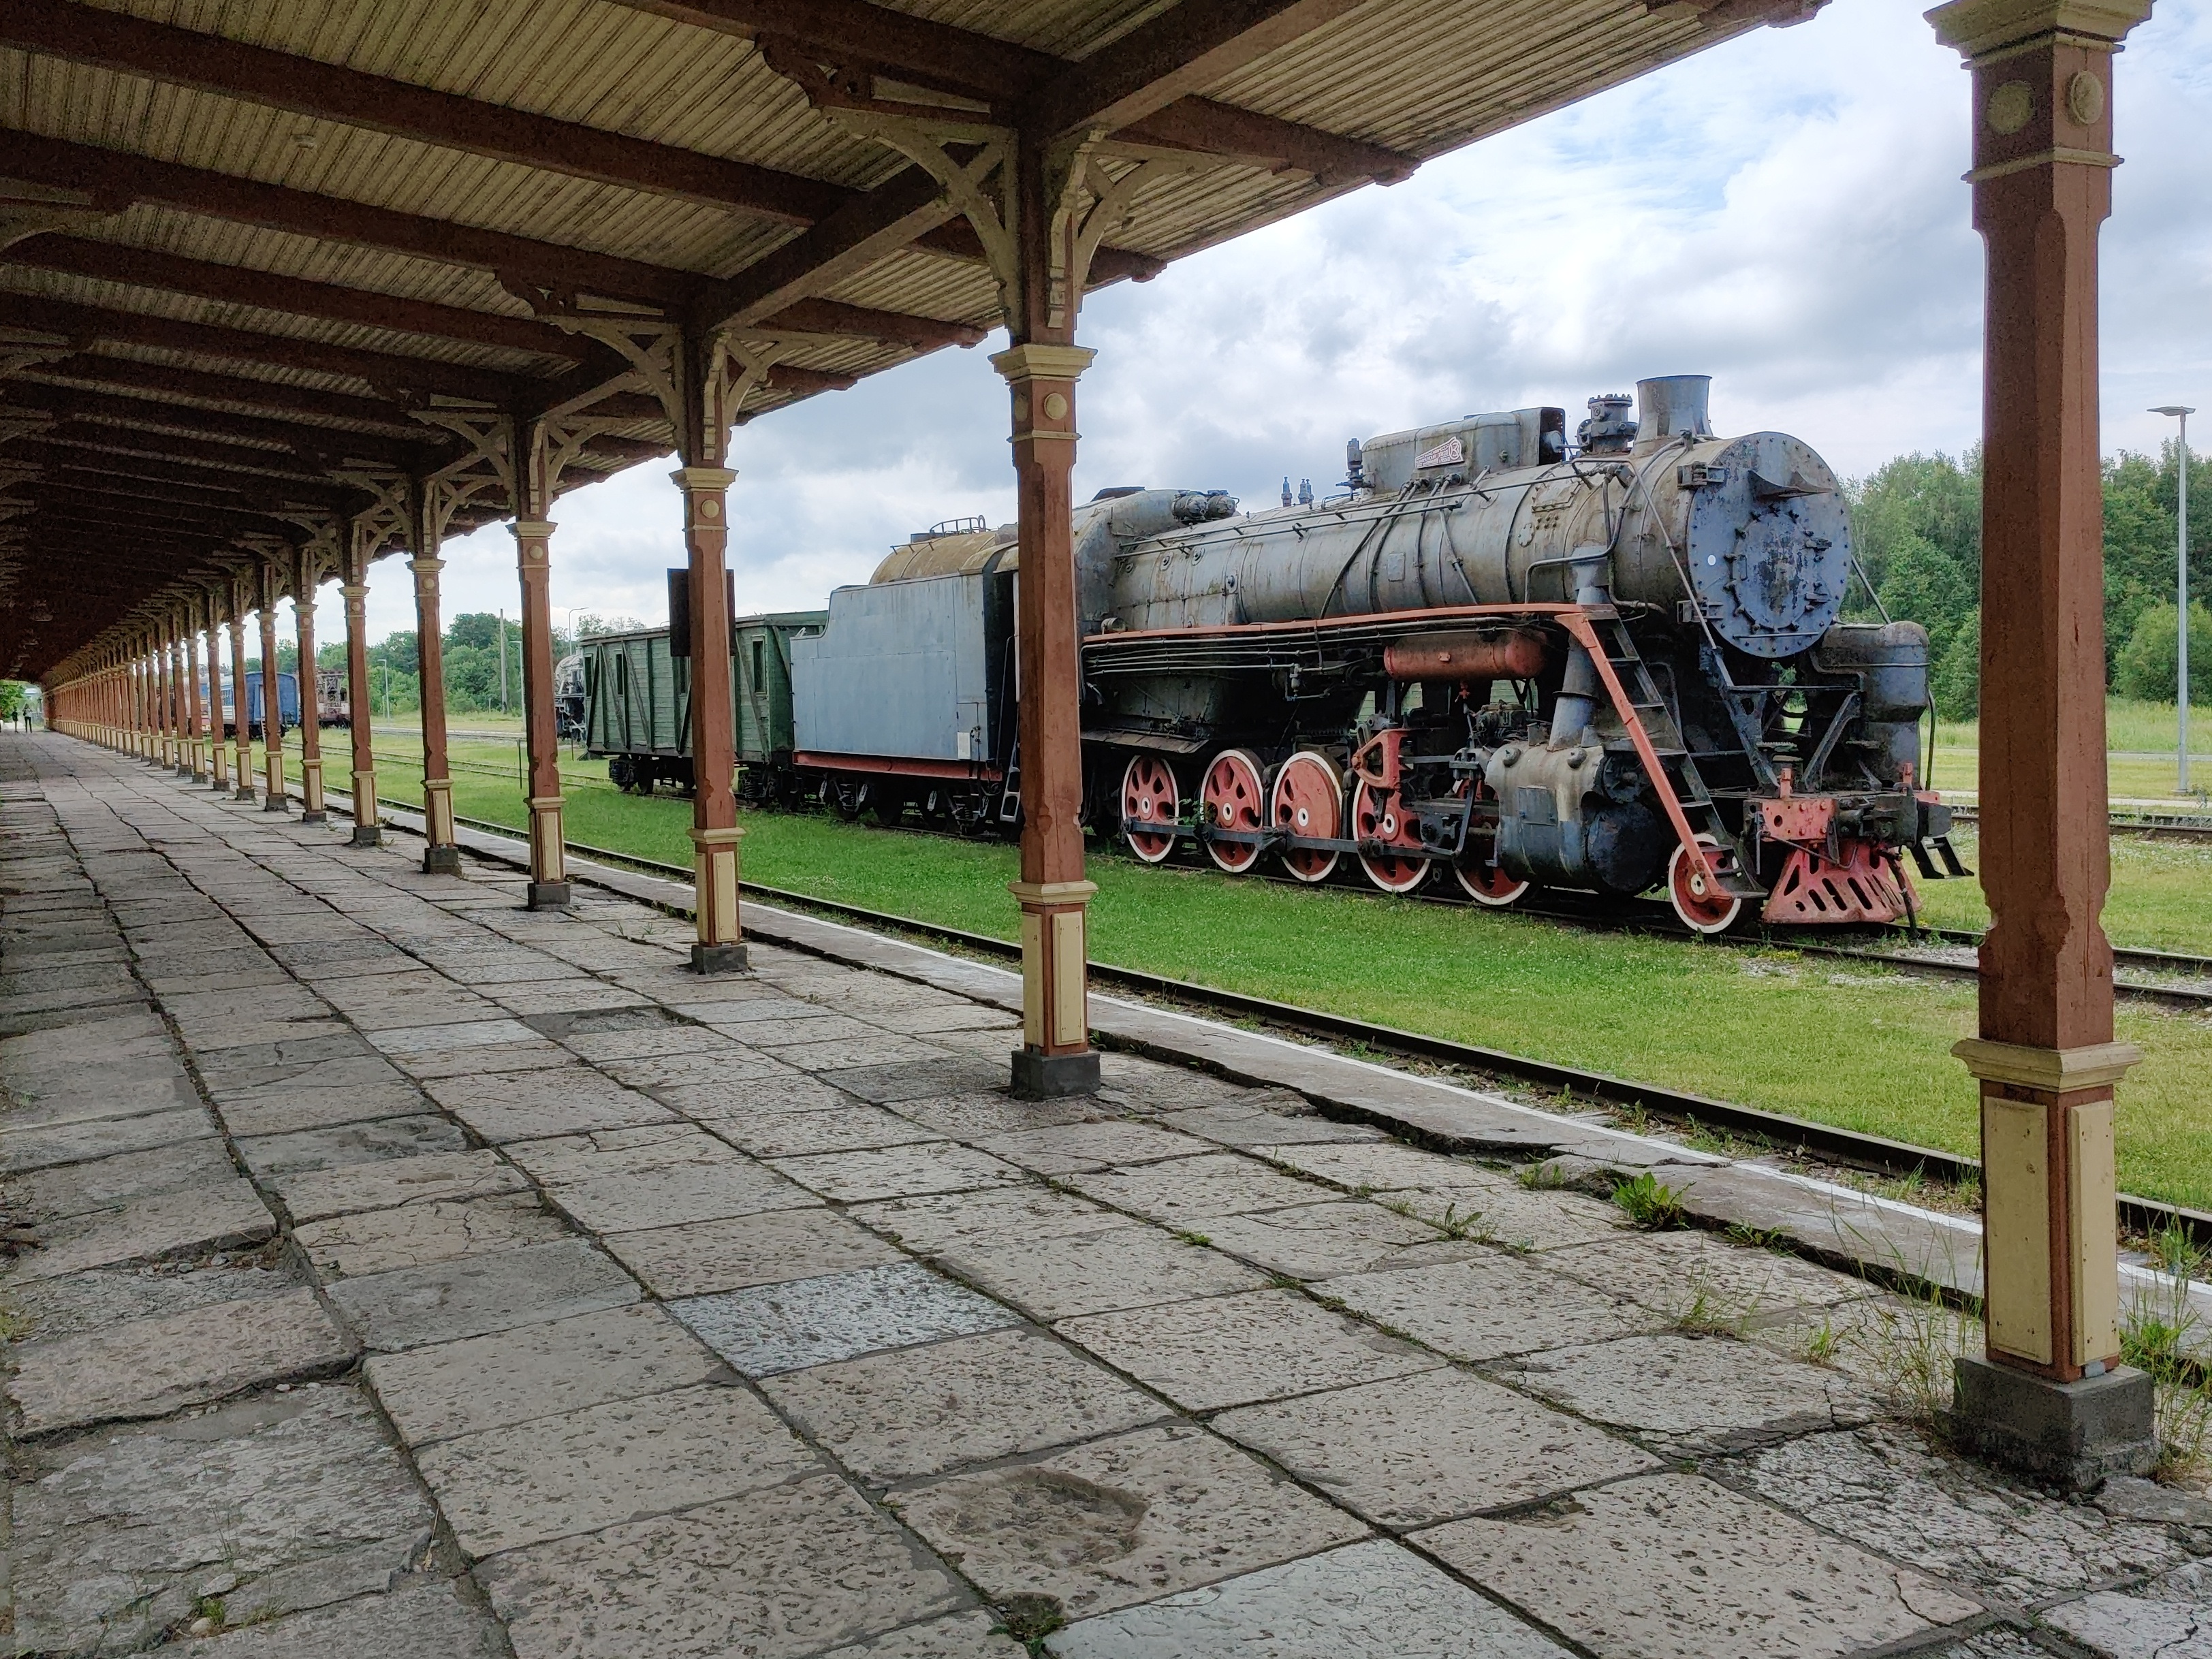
x=1784 y=213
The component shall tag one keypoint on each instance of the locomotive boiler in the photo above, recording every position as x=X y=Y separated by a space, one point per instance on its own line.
x=1606 y=664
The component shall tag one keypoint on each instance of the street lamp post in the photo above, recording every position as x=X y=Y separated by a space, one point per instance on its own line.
x=2182 y=632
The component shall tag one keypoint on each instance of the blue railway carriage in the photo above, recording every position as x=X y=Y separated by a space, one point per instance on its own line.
x=637 y=706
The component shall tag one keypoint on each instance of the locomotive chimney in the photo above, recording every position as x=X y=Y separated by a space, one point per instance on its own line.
x=1669 y=405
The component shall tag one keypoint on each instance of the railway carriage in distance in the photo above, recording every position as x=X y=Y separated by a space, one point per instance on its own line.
x=636 y=706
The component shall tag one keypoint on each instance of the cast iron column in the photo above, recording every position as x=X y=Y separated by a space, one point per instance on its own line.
x=218 y=756
x=360 y=710
x=1040 y=368
x=2050 y=1396
x=242 y=737
x=165 y=668
x=311 y=736
x=272 y=702
x=714 y=831
x=440 y=853
x=549 y=870
x=197 y=766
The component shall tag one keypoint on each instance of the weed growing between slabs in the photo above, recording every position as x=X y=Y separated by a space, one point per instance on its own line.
x=1864 y=1049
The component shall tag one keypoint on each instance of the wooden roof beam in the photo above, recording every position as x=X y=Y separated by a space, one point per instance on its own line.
x=398 y=380
x=64 y=460
x=150 y=410
x=529 y=269
x=856 y=236
x=206 y=457
x=1003 y=74
x=305 y=85
x=1177 y=53
x=117 y=262
x=94 y=503
x=166 y=380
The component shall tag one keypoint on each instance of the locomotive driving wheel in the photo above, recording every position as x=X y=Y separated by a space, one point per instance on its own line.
x=1152 y=806
x=1704 y=905
x=1477 y=872
x=1234 y=797
x=1308 y=799
x=1378 y=816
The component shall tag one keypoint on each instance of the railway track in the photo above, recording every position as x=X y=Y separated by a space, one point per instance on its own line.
x=1472 y=1062
x=2150 y=826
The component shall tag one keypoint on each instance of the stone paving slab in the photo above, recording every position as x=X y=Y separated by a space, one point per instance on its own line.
x=1415 y=1451
x=269 y=1157
x=915 y=1412
x=423 y=1619
x=907 y=1171
x=1230 y=1350
x=263 y=1503
x=789 y=1571
x=24 y=1150
x=1370 y=1600
x=1322 y=1241
x=803 y=1322
x=1122 y=1520
x=152 y=1367
x=157 y=1224
x=1078 y=1274
x=472 y=1295
x=1218 y=1183
x=433 y=1178
x=419 y=1235
x=537 y=1371
x=45 y=1309
x=621 y=1461
x=764 y=1249
x=102 y=1183
x=1673 y=1565
x=1489 y=1306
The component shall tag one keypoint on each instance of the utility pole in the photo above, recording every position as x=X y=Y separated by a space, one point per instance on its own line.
x=2181 y=639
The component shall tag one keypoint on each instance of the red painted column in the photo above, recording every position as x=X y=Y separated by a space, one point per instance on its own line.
x=195 y=763
x=367 y=830
x=311 y=738
x=548 y=871
x=442 y=854
x=218 y=756
x=241 y=715
x=1040 y=368
x=714 y=829
x=2050 y=1394
x=272 y=702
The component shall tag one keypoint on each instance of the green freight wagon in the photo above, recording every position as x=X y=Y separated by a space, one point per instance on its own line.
x=638 y=706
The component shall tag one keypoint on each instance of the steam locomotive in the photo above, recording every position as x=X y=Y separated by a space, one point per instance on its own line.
x=1607 y=667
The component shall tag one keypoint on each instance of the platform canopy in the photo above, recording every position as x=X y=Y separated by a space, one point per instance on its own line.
x=254 y=253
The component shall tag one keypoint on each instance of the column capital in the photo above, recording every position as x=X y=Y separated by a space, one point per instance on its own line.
x=1042 y=363
x=429 y=566
x=704 y=478
x=1978 y=27
x=2051 y=1071
x=523 y=528
x=1039 y=893
x=354 y=590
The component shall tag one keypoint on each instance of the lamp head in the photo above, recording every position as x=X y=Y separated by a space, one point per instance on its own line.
x=2172 y=409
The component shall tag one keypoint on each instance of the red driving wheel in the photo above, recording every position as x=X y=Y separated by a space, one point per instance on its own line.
x=1704 y=905
x=1477 y=871
x=1376 y=817
x=1308 y=799
x=1234 y=797
x=1149 y=798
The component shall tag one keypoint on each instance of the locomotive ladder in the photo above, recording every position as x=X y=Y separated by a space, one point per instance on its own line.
x=1627 y=679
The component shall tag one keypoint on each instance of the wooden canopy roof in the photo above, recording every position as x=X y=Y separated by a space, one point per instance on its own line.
x=251 y=250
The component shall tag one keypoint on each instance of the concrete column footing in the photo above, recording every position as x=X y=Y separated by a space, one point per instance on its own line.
x=367 y=835
x=717 y=959
x=314 y=817
x=275 y=804
x=441 y=860
x=550 y=896
x=2070 y=1435
x=1053 y=1077
x=244 y=791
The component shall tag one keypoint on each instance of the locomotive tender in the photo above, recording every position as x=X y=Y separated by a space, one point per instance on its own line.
x=1603 y=667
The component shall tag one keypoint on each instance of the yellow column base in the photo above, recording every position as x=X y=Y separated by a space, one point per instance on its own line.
x=548 y=859
x=438 y=811
x=1055 y=961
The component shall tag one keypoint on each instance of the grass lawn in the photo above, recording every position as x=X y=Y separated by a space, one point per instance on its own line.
x=1866 y=1050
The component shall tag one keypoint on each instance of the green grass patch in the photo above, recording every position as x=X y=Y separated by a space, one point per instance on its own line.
x=1864 y=1049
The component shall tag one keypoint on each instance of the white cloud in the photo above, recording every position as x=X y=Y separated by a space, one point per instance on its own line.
x=1785 y=213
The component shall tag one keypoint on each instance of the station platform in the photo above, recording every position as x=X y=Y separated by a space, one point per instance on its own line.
x=398 y=1271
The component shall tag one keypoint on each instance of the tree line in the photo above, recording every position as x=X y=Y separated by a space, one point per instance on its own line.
x=471 y=661
x=1917 y=527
